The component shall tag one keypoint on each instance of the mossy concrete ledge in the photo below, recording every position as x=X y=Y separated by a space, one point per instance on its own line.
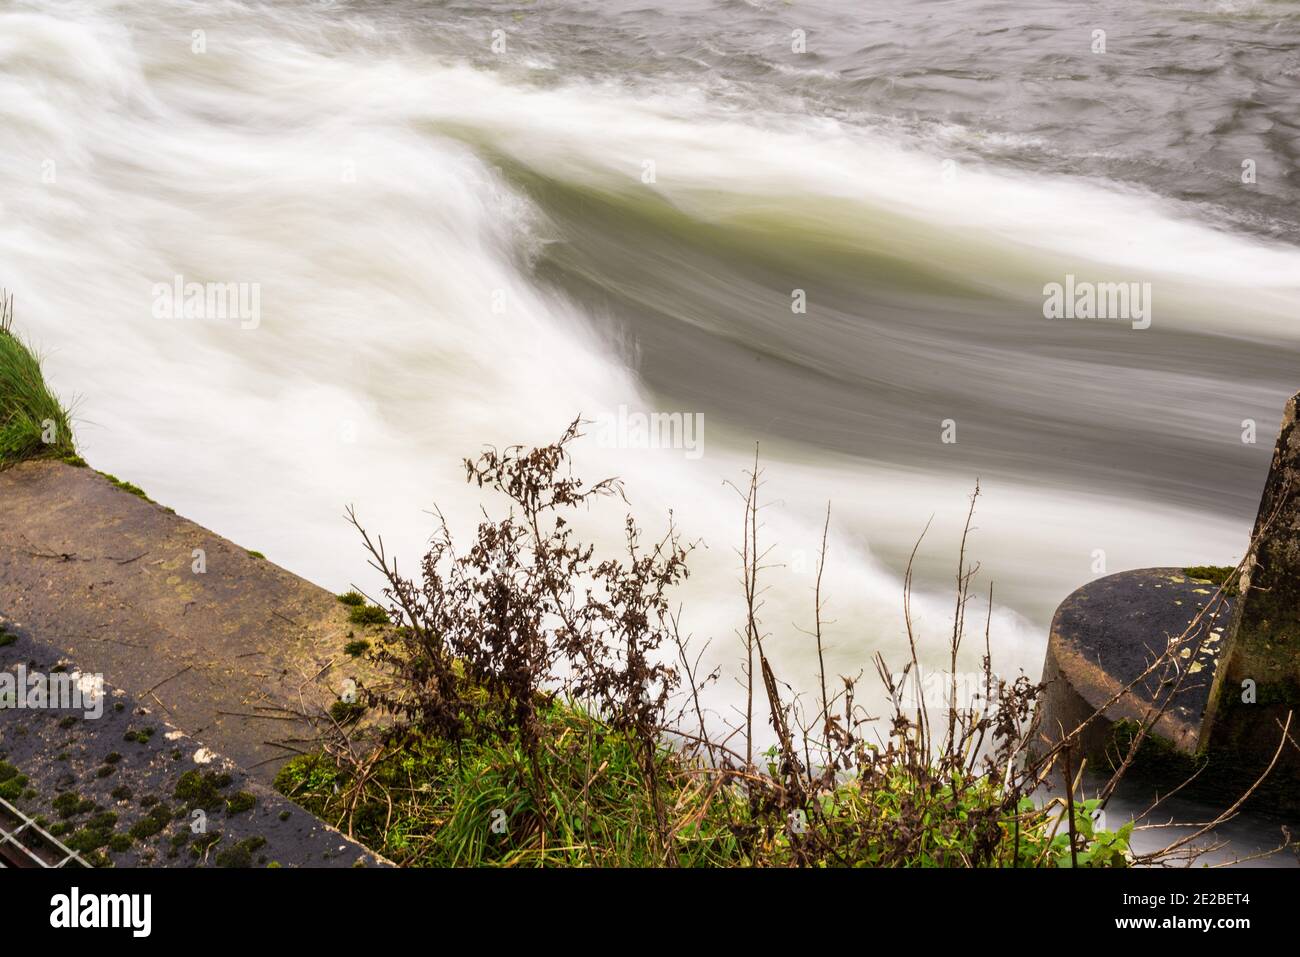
x=1218 y=704
x=226 y=645
x=123 y=787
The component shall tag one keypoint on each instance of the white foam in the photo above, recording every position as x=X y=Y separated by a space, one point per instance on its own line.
x=377 y=301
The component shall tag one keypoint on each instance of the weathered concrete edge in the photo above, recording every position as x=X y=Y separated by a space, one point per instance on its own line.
x=1078 y=687
x=34 y=740
x=108 y=577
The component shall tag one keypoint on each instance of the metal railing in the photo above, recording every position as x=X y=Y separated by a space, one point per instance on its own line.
x=24 y=843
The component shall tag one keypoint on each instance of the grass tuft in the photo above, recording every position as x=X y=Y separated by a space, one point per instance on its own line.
x=368 y=615
x=33 y=422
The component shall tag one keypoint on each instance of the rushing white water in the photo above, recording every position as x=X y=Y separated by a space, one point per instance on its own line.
x=377 y=192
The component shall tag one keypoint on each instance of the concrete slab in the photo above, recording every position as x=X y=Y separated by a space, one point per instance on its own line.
x=227 y=649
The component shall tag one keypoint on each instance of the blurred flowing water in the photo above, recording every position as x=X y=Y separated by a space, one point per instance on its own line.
x=447 y=211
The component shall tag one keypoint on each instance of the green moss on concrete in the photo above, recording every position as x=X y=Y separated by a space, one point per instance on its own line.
x=127 y=487
x=12 y=784
x=85 y=840
x=240 y=802
x=241 y=854
x=70 y=804
x=200 y=790
x=153 y=823
x=94 y=834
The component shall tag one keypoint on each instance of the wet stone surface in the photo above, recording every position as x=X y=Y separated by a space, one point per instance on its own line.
x=127 y=788
x=230 y=647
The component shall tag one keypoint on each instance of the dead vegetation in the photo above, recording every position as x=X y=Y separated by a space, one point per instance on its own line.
x=543 y=706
